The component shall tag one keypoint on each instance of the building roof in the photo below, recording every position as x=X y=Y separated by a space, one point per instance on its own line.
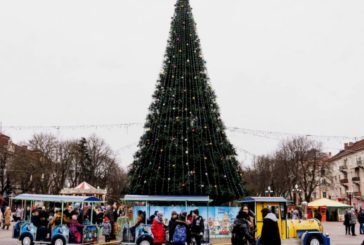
x=350 y=148
x=4 y=139
x=263 y=199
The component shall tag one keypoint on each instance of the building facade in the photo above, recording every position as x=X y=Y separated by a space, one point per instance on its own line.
x=347 y=174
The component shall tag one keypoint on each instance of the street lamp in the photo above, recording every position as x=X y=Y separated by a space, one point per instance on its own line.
x=268 y=191
x=296 y=190
x=350 y=195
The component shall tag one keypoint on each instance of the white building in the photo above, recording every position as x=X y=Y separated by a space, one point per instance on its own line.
x=347 y=174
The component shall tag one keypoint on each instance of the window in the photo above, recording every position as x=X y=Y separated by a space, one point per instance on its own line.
x=324 y=194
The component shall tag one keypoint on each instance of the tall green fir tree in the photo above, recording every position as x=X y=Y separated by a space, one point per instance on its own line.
x=184 y=150
x=84 y=171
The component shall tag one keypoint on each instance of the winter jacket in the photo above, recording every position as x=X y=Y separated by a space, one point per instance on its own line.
x=158 y=231
x=197 y=226
x=347 y=219
x=75 y=227
x=353 y=218
x=361 y=217
x=241 y=232
x=188 y=230
x=106 y=228
x=7 y=216
x=171 y=227
x=270 y=231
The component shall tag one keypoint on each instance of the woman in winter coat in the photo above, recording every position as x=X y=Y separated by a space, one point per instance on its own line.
x=7 y=218
x=158 y=230
x=241 y=230
x=270 y=231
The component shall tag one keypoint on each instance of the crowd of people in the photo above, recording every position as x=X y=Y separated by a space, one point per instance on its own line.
x=182 y=228
x=351 y=218
x=74 y=216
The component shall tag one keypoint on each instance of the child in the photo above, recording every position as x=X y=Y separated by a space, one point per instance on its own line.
x=75 y=228
x=106 y=226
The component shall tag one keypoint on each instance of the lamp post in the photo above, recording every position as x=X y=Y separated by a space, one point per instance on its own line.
x=350 y=195
x=268 y=191
x=296 y=190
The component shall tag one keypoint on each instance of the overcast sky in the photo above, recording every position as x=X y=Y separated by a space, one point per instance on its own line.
x=281 y=66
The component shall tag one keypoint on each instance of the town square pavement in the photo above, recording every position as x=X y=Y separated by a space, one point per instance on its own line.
x=336 y=231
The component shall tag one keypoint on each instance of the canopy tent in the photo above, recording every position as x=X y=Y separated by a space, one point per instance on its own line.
x=85 y=189
x=328 y=203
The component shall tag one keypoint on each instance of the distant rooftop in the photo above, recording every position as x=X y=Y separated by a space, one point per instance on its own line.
x=349 y=148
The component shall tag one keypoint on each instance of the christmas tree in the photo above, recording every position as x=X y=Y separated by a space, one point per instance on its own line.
x=184 y=150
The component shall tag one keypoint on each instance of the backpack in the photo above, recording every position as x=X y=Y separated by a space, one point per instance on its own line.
x=180 y=235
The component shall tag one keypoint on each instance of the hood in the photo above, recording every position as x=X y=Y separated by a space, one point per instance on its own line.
x=271 y=216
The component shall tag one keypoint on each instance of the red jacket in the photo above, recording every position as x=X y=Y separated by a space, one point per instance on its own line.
x=158 y=231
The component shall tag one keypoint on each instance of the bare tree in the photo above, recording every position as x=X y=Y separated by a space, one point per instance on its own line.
x=298 y=161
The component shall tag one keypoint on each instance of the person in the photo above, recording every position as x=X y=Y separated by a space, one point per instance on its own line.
x=140 y=220
x=318 y=214
x=56 y=219
x=1 y=217
x=241 y=232
x=7 y=218
x=361 y=221
x=106 y=229
x=352 y=222
x=115 y=227
x=197 y=227
x=181 y=234
x=99 y=216
x=295 y=214
x=249 y=217
x=18 y=214
x=75 y=229
x=158 y=229
x=151 y=218
x=347 y=222
x=172 y=224
x=67 y=214
x=189 y=218
x=270 y=231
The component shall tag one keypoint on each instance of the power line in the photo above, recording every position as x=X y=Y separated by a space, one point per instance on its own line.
x=268 y=134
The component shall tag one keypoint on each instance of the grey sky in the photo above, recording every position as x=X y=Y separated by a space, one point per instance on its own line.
x=288 y=66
